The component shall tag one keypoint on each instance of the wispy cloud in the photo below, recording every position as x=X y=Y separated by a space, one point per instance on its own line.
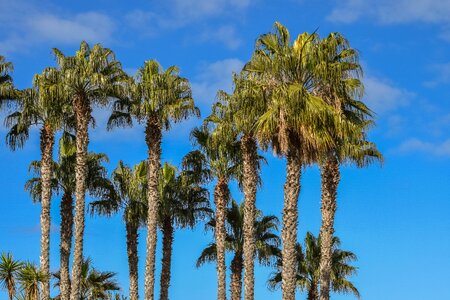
x=179 y=13
x=415 y=145
x=27 y=26
x=193 y=10
x=34 y=229
x=392 y=12
x=224 y=34
x=382 y=96
x=176 y=14
x=442 y=76
x=214 y=76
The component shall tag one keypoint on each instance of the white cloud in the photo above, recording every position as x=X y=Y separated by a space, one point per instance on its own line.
x=225 y=34
x=27 y=26
x=392 y=12
x=90 y=26
x=439 y=149
x=178 y=13
x=347 y=11
x=175 y=14
x=213 y=77
x=198 y=9
x=442 y=75
x=383 y=96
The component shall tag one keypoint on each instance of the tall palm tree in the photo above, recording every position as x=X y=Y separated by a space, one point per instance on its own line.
x=219 y=154
x=9 y=270
x=183 y=202
x=45 y=108
x=266 y=241
x=308 y=269
x=63 y=182
x=6 y=82
x=158 y=98
x=295 y=122
x=339 y=85
x=95 y=285
x=30 y=277
x=129 y=195
x=91 y=76
x=243 y=109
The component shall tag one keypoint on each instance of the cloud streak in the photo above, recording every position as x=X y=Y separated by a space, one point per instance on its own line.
x=27 y=26
x=415 y=145
x=392 y=12
x=383 y=96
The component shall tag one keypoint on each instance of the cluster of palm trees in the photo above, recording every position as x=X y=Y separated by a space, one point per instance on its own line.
x=301 y=99
x=27 y=276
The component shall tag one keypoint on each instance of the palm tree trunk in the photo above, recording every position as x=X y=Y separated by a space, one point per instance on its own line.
x=153 y=136
x=11 y=290
x=313 y=291
x=167 y=231
x=65 y=244
x=250 y=181
x=47 y=141
x=82 y=115
x=221 y=196
x=132 y=252
x=290 y=220
x=236 y=276
x=330 y=181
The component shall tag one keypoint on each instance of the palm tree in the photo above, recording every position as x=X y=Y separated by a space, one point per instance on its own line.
x=95 y=285
x=30 y=277
x=266 y=241
x=63 y=182
x=9 y=270
x=339 y=85
x=6 y=82
x=91 y=76
x=158 y=98
x=183 y=202
x=308 y=269
x=45 y=108
x=219 y=156
x=295 y=122
x=243 y=109
x=129 y=194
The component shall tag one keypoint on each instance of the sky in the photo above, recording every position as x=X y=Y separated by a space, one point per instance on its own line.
x=394 y=217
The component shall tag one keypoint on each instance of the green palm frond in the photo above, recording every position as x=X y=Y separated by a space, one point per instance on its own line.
x=266 y=239
x=308 y=267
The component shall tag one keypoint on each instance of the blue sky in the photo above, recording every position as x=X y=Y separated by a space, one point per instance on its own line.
x=395 y=217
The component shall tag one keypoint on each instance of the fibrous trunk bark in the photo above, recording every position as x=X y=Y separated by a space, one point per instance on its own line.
x=82 y=111
x=47 y=141
x=65 y=244
x=221 y=196
x=132 y=243
x=236 y=276
x=167 y=231
x=153 y=135
x=330 y=181
x=290 y=221
x=250 y=181
x=313 y=291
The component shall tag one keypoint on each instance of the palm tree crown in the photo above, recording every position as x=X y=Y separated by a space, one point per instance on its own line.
x=266 y=243
x=308 y=268
x=95 y=284
x=6 y=82
x=9 y=270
